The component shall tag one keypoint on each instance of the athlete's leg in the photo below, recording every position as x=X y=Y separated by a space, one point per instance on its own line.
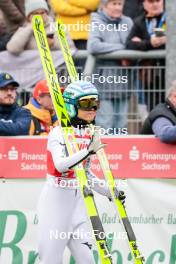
x=80 y=244
x=55 y=212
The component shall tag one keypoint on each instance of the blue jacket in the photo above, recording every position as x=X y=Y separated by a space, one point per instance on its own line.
x=164 y=129
x=161 y=121
x=14 y=120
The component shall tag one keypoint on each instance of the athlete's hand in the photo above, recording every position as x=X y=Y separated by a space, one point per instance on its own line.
x=95 y=143
x=120 y=195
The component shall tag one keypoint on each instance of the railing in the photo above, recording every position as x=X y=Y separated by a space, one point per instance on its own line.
x=146 y=86
x=118 y=55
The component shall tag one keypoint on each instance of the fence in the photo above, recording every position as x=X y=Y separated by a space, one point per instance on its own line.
x=145 y=87
x=127 y=90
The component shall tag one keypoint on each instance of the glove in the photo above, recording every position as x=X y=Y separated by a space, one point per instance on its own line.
x=120 y=195
x=95 y=143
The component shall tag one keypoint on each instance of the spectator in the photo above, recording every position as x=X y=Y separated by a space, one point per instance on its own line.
x=11 y=17
x=162 y=119
x=114 y=97
x=75 y=13
x=13 y=14
x=42 y=110
x=24 y=38
x=148 y=33
x=14 y=120
x=142 y=36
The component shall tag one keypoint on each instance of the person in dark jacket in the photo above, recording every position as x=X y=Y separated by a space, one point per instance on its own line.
x=14 y=120
x=143 y=35
x=162 y=119
x=148 y=33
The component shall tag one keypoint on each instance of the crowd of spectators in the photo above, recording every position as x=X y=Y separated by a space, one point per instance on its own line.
x=23 y=38
x=138 y=26
x=35 y=118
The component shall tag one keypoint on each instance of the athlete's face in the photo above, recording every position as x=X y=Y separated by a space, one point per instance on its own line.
x=8 y=95
x=87 y=107
x=88 y=116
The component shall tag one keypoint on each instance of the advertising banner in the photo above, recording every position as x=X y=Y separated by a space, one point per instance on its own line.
x=129 y=157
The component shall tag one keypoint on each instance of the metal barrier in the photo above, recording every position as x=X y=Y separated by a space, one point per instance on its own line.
x=122 y=104
x=145 y=87
x=121 y=54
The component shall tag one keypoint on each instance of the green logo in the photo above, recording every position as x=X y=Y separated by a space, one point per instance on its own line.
x=21 y=226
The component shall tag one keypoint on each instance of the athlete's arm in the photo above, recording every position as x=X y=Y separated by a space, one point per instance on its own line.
x=62 y=161
x=98 y=185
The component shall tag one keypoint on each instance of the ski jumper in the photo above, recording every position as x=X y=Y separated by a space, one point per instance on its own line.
x=61 y=210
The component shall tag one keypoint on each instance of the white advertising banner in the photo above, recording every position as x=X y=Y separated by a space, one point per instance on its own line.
x=150 y=205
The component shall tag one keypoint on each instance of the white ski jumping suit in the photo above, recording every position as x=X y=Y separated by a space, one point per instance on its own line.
x=61 y=210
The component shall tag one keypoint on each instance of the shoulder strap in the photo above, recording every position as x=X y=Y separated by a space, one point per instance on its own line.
x=37 y=126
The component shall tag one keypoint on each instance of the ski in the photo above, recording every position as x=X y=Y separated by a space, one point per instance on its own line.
x=120 y=208
x=70 y=140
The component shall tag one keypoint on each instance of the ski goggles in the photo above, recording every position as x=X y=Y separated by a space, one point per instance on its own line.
x=88 y=103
